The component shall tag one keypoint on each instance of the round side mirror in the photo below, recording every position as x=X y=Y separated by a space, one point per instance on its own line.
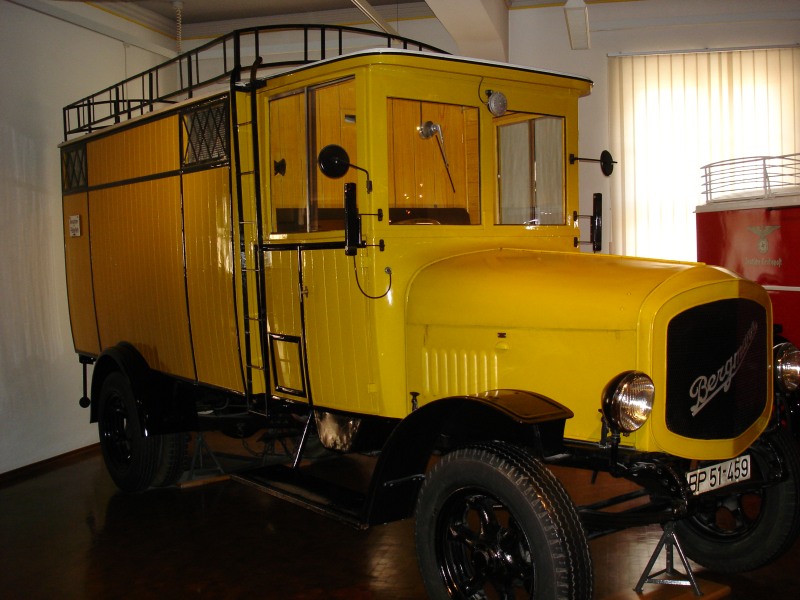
x=333 y=161
x=606 y=163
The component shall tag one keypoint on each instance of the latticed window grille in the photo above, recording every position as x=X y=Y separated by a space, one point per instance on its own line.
x=206 y=131
x=73 y=168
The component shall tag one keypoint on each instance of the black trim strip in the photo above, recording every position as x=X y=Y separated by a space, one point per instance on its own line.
x=301 y=246
x=162 y=175
x=135 y=180
x=185 y=265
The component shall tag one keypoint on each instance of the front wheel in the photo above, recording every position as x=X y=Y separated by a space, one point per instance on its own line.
x=747 y=529
x=493 y=522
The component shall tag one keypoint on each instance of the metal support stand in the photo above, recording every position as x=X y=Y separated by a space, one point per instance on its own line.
x=673 y=577
x=201 y=447
x=298 y=455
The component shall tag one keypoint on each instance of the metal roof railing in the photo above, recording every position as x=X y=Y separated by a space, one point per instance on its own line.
x=753 y=177
x=220 y=61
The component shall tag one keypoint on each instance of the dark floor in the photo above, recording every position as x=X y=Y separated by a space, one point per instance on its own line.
x=66 y=532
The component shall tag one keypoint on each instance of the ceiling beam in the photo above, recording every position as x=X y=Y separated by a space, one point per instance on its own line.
x=365 y=7
x=479 y=27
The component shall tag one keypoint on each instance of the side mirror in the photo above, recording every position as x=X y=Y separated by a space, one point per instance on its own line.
x=333 y=161
x=606 y=161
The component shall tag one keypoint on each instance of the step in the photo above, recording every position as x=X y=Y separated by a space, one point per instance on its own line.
x=305 y=489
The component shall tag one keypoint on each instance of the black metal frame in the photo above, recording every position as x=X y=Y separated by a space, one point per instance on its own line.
x=224 y=58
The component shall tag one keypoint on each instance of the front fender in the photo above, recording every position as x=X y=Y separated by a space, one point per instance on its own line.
x=515 y=416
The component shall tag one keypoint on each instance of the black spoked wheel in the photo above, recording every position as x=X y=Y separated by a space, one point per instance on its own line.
x=747 y=529
x=493 y=522
x=131 y=458
x=481 y=545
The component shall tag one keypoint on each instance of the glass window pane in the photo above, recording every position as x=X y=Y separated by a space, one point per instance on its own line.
x=329 y=113
x=433 y=152
x=530 y=170
x=288 y=164
x=333 y=109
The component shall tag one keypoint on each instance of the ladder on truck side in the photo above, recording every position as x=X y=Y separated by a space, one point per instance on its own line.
x=244 y=116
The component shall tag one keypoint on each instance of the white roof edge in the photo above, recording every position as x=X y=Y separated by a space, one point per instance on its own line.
x=440 y=56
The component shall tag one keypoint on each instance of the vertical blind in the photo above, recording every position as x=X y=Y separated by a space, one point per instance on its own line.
x=673 y=113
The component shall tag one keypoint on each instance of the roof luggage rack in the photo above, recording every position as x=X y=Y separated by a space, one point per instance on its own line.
x=220 y=61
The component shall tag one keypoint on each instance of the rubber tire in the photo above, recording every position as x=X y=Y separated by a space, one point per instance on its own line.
x=538 y=523
x=132 y=459
x=172 y=462
x=757 y=538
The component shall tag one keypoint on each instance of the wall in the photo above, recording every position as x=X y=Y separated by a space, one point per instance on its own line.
x=46 y=64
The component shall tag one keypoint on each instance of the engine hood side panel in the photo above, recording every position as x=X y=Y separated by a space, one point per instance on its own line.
x=558 y=324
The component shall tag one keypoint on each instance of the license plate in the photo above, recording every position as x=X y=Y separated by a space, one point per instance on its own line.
x=719 y=475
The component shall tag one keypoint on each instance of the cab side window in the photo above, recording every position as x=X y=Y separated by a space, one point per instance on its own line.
x=301 y=124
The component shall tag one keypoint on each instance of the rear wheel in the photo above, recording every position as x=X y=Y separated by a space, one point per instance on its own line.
x=135 y=461
x=747 y=529
x=172 y=462
x=493 y=522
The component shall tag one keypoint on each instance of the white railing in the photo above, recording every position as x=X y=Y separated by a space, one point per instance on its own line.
x=751 y=178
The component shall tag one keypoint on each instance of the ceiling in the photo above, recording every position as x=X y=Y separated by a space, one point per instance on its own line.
x=478 y=28
x=203 y=11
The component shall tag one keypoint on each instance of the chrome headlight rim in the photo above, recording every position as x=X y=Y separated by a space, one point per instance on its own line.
x=787 y=367
x=628 y=401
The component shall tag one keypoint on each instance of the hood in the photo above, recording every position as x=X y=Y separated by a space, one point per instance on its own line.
x=528 y=288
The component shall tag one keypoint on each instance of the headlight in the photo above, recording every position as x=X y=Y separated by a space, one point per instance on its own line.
x=628 y=400
x=787 y=367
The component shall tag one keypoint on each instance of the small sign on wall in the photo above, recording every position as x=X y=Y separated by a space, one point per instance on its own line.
x=74 y=226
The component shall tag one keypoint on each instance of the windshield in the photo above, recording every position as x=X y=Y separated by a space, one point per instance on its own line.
x=433 y=151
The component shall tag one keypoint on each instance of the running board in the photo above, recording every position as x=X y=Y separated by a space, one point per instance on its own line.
x=304 y=489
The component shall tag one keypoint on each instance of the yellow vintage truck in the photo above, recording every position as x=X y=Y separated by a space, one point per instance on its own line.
x=378 y=250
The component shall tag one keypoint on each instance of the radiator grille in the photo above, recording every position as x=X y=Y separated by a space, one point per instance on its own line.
x=716 y=369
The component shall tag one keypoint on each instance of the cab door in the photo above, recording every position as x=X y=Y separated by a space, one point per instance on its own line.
x=317 y=320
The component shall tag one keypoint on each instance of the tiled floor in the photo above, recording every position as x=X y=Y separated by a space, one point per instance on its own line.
x=67 y=533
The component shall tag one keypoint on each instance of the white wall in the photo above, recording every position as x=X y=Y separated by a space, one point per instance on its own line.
x=538 y=37
x=46 y=64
